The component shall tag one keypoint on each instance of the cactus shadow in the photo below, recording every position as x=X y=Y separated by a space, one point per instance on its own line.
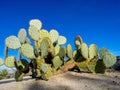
x=102 y=80
x=38 y=86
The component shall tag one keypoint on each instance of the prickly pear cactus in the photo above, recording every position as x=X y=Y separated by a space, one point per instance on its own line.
x=93 y=51
x=44 y=33
x=82 y=64
x=61 y=40
x=19 y=76
x=12 y=42
x=54 y=35
x=96 y=66
x=27 y=50
x=57 y=49
x=44 y=47
x=78 y=41
x=48 y=56
x=57 y=62
x=44 y=68
x=69 y=51
x=36 y=23
x=22 y=35
x=62 y=52
x=108 y=58
x=34 y=33
x=9 y=61
x=84 y=50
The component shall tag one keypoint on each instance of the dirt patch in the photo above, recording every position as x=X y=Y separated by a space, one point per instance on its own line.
x=68 y=81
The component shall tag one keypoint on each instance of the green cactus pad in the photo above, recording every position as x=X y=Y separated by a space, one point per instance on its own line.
x=44 y=68
x=22 y=35
x=44 y=47
x=34 y=33
x=78 y=41
x=109 y=59
x=12 y=42
x=54 y=35
x=36 y=22
x=100 y=67
x=84 y=50
x=49 y=73
x=1 y=62
x=39 y=61
x=61 y=40
x=57 y=62
x=96 y=66
x=69 y=51
x=62 y=52
x=93 y=51
x=28 y=51
x=57 y=49
x=9 y=61
x=102 y=52
x=19 y=76
x=82 y=64
x=44 y=33
x=91 y=65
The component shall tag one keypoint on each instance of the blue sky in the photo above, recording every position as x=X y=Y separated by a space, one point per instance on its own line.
x=97 y=21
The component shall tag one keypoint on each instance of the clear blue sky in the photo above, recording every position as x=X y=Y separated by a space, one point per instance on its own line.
x=97 y=21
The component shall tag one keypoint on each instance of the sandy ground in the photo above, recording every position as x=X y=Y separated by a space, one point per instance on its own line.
x=68 y=81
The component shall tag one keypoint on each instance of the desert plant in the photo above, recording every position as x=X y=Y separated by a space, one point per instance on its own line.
x=48 y=56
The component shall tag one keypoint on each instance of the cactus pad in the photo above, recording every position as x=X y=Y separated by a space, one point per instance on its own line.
x=44 y=33
x=44 y=68
x=19 y=76
x=96 y=66
x=36 y=22
x=57 y=62
x=9 y=61
x=39 y=61
x=54 y=35
x=28 y=51
x=108 y=58
x=62 y=40
x=78 y=41
x=103 y=52
x=93 y=51
x=22 y=35
x=69 y=51
x=12 y=42
x=84 y=50
x=34 y=33
x=49 y=73
x=57 y=49
x=82 y=64
x=1 y=62
x=44 y=47
x=62 y=52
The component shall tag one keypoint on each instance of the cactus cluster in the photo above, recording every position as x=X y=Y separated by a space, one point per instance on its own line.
x=48 y=55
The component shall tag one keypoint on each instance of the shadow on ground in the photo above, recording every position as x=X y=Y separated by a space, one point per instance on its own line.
x=38 y=86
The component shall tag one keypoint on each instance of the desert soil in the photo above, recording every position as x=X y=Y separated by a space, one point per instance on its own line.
x=68 y=81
